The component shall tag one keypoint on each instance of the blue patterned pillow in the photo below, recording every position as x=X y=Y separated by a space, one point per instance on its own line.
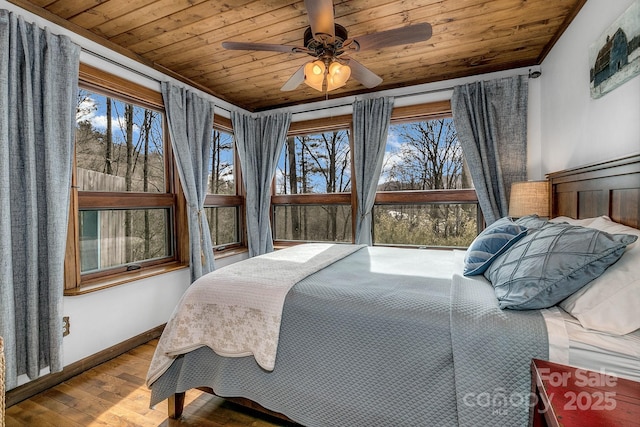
x=548 y=265
x=491 y=242
x=532 y=222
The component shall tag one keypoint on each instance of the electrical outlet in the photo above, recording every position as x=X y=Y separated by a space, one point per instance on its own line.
x=65 y=326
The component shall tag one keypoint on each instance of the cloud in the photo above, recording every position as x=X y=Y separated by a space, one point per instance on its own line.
x=86 y=110
x=280 y=179
x=118 y=124
x=100 y=122
x=393 y=139
x=93 y=111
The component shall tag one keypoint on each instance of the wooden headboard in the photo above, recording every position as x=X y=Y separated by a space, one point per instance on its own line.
x=609 y=188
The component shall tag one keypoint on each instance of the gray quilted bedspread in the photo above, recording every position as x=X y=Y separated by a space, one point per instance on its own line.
x=492 y=351
x=373 y=341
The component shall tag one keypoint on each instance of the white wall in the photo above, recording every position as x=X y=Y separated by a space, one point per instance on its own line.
x=576 y=129
x=101 y=319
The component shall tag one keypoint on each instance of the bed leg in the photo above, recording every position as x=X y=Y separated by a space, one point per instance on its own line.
x=176 y=405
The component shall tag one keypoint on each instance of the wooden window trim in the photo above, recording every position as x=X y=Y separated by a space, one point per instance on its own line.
x=311 y=199
x=223 y=200
x=101 y=282
x=317 y=126
x=105 y=83
x=229 y=201
x=95 y=79
x=428 y=111
x=414 y=113
x=223 y=124
x=425 y=196
x=133 y=200
x=237 y=200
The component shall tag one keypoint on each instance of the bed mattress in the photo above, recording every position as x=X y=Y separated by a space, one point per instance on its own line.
x=571 y=344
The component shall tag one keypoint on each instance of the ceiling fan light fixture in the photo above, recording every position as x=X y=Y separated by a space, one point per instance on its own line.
x=338 y=75
x=314 y=74
x=332 y=84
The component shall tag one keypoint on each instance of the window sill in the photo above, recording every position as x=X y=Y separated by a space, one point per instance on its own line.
x=120 y=279
x=282 y=244
x=226 y=253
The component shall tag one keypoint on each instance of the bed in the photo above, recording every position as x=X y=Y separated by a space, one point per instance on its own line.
x=383 y=336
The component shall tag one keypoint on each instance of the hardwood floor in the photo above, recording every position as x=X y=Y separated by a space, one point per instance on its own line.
x=114 y=394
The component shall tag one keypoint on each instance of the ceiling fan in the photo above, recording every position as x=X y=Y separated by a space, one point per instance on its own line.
x=329 y=43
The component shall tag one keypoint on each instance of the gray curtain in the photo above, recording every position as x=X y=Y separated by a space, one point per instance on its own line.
x=190 y=119
x=259 y=139
x=371 y=119
x=491 y=122
x=38 y=92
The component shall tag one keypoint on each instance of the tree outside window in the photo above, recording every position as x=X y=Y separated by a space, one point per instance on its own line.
x=311 y=165
x=223 y=211
x=423 y=156
x=119 y=149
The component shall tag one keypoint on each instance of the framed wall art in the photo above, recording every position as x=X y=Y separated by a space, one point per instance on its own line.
x=614 y=57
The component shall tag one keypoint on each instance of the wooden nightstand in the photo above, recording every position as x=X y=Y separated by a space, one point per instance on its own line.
x=567 y=396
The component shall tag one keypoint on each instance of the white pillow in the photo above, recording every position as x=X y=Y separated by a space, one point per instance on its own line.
x=581 y=222
x=611 y=303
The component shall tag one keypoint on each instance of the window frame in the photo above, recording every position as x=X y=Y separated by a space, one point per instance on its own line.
x=316 y=126
x=406 y=114
x=77 y=283
x=237 y=200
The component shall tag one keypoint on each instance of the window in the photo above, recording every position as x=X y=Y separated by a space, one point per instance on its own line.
x=317 y=163
x=424 y=198
x=313 y=180
x=124 y=204
x=221 y=177
x=119 y=145
x=423 y=173
x=223 y=204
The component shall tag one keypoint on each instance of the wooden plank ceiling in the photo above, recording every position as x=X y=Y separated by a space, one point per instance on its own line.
x=184 y=36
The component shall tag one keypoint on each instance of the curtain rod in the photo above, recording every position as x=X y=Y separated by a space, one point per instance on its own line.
x=133 y=70
x=111 y=61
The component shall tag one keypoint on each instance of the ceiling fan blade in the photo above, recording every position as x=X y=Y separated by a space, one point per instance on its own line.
x=294 y=81
x=321 y=17
x=405 y=35
x=260 y=46
x=362 y=74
